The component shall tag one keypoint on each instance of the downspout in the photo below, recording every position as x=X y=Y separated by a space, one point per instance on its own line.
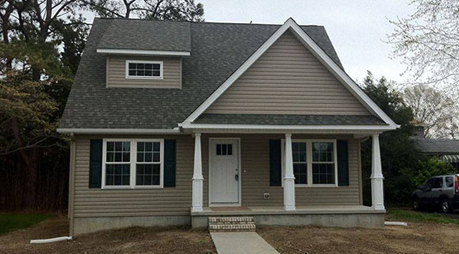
x=72 y=182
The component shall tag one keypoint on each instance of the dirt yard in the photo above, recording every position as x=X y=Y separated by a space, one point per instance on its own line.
x=132 y=240
x=418 y=237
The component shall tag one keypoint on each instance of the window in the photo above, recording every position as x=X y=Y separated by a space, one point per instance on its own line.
x=117 y=166
x=300 y=164
x=144 y=69
x=438 y=183
x=224 y=149
x=429 y=183
x=323 y=165
x=449 y=181
x=314 y=162
x=132 y=163
x=148 y=166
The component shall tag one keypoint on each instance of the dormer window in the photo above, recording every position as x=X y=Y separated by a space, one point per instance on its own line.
x=144 y=69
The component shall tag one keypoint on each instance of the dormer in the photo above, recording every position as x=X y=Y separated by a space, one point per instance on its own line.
x=142 y=54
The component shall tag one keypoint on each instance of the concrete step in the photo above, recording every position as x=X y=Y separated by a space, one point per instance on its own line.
x=231 y=224
x=247 y=227
x=231 y=219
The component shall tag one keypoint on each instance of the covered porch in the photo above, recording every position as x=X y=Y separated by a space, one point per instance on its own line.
x=290 y=202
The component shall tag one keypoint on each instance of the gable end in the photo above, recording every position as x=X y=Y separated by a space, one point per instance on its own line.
x=287 y=79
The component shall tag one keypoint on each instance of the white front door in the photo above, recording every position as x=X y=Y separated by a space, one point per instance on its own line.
x=224 y=172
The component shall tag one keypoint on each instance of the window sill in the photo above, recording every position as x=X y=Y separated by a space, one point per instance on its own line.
x=131 y=188
x=315 y=185
x=145 y=78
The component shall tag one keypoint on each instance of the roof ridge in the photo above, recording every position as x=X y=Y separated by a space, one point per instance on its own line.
x=200 y=22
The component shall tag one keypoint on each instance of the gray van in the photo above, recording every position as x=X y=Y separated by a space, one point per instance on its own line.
x=441 y=192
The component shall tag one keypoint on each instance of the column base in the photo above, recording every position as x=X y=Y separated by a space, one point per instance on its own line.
x=289 y=208
x=197 y=198
x=289 y=193
x=379 y=208
x=196 y=209
x=377 y=193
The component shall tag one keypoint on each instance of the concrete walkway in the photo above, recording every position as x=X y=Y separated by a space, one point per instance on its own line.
x=241 y=243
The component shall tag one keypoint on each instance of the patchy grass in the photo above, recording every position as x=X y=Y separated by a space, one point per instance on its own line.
x=399 y=214
x=14 y=221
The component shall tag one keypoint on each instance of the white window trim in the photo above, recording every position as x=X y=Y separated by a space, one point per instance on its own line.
x=133 y=162
x=144 y=62
x=309 y=161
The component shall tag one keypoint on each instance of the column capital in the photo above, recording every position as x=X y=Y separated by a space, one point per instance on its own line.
x=197 y=134
x=288 y=135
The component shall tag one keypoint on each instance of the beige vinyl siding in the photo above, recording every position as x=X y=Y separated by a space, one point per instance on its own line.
x=134 y=202
x=177 y=201
x=255 y=174
x=116 y=72
x=288 y=79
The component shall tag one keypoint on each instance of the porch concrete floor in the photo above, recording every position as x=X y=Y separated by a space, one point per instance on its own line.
x=269 y=210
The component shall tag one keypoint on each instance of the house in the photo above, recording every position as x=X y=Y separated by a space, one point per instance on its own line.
x=445 y=149
x=175 y=122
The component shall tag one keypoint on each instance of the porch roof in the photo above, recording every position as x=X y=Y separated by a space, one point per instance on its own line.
x=265 y=119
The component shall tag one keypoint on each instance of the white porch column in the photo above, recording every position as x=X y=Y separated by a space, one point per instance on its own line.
x=289 y=177
x=197 y=175
x=377 y=188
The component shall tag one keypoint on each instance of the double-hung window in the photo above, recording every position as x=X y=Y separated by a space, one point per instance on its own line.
x=118 y=163
x=314 y=162
x=323 y=163
x=148 y=165
x=133 y=163
x=136 y=69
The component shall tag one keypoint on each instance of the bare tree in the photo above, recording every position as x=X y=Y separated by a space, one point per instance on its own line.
x=180 y=10
x=428 y=42
x=434 y=108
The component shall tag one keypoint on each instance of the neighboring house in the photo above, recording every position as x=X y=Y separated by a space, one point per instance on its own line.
x=445 y=149
x=173 y=122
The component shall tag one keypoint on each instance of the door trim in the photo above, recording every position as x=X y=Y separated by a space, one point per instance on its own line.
x=239 y=172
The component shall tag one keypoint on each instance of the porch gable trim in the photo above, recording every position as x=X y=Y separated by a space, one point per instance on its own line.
x=317 y=51
x=289 y=127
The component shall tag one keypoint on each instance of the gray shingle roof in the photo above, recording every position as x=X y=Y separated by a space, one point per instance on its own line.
x=217 y=50
x=287 y=119
x=144 y=35
x=437 y=146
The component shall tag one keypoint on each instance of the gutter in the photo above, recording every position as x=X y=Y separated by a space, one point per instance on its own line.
x=118 y=131
x=290 y=127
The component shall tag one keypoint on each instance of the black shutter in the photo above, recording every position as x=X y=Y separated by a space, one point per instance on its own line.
x=275 y=163
x=343 y=163
x=169 y=163
x=95 y=163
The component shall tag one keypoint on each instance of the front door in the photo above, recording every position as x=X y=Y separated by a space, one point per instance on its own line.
x=224 y=172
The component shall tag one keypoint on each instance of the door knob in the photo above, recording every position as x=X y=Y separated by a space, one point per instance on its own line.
x=236 y=177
